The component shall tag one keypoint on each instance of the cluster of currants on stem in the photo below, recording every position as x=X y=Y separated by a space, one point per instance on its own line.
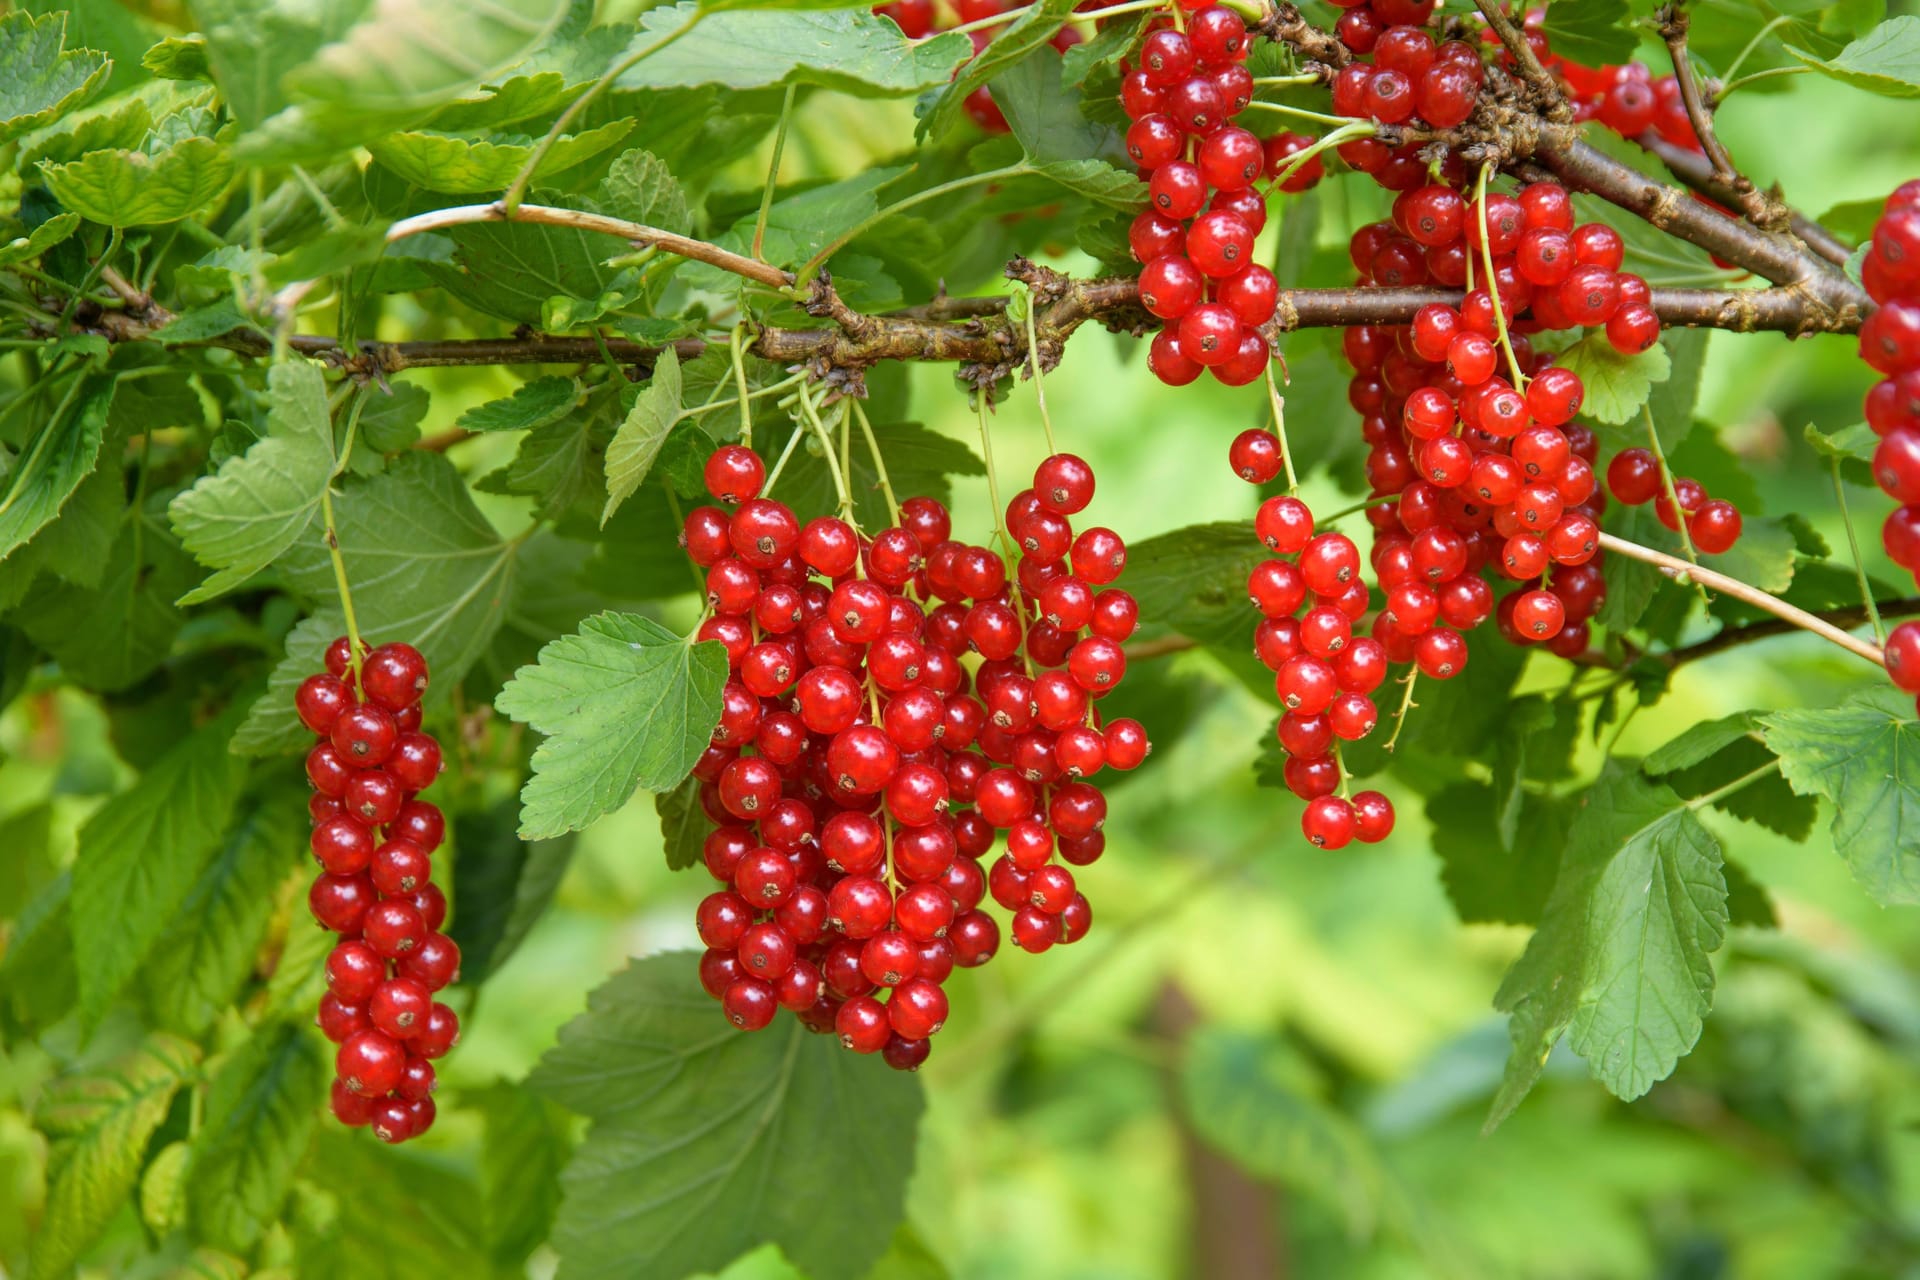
x=895 y=704
x=374 y=839
x=1890 y=343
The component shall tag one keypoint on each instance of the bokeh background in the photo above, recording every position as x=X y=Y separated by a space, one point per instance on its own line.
x=1076 y=1119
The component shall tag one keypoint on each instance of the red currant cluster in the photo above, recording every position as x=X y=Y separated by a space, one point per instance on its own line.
x=373 y=837
x=1627 y=99
x=920 y=18
x=1411 y=80
x=1890 y=342
x=853 y=738
x=1635 y=476
x=1195 y=239
x=1310 y=595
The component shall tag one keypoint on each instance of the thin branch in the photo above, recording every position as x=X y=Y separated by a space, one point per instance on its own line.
x=1696 y=171
x=1551 y=100
x=1681 y=571
x=1673 y=29
x=1846 y=617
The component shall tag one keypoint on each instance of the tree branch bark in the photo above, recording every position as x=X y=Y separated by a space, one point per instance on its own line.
x=1696 y=172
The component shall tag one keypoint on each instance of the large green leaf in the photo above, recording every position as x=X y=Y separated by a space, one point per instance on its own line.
x=408 y=56
x=1885 y=61
x=505 y=886
x=40 y=78
x=252 y=44
x=388 y=1215
x=525 y=1149
x=265 y=500
x=100 y=1124
x=1622 y=952
x=450 y=162
x=137 y=188
x=510 y=270
x=624 y=703
x=706 y=1142
x=642 y=431
x=261 y=1109
x=141 y=853
x=47 y=475
x=1864 y=757
x=849 y=49
x=1036 y=25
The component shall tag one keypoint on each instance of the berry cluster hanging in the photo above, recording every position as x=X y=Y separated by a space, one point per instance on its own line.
x=865 y=765
x=1890 y=343
x=374 y=839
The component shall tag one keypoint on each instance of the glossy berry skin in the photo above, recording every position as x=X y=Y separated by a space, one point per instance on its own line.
x=394 y=676
x=1255 y=456
x=393 y=928
x=364 y=735
x=320 y=700
x=370 y=1063
x=734 y=473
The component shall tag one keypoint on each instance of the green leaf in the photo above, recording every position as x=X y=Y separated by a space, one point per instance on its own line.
x=1046 y=117
x=1702 y=742
x=850 y=50
x=40 y=485
x=259 y=504
x=390 y=419
x=197 y=324
x=644 y=429
x=1114 y=40
x=640 y=188
x=100 y=1124
x=1593 y=33
x=505 y=886
x=1036 y=25
x=40 y=78
x=179 y=58
x=1617 y=385
x=134 y=188
x=388 y=1215
x=532 y=404
x=560 y=464
x=210 y=947
x=408 y=56
x=1864 y=757
x=683 y=824
x=271 y=727
x=1196 y=580
x=1885 y=61
x=1254 y=1099
x=1492 y=875
x=624 y=703
x=261 y=1109
x=510 y=270
x=42 y=238
x=1621 y=954
x=140 y=854
x=163 y=1190
x=251 y=45
x=525 y=1148
x=693 y=1124
x=1851 y=446
x=449 y=162
x=1098 y=181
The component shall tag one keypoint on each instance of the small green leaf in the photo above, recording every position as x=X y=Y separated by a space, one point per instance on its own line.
x=1030 y=31
x=239 y=520
x=1885 y=61
x=683 y=824
x=1593 y=32
x=163 y=1190
x=140 y=854
x=505 y=886
x=850 y=50
x=99 y=1124
x=1112 y=43
x=452 y=163
x=40 y=78
x=42 y=238
x=40 y=485
x=1852 y=447
x=1098 y=181
x=533 y=404
x=1864 y=757
x=1617 y=385
x=640 y=188
x=408 y=56
x=735 y=1133
x=624 y=703
x=1702 y=742
x=179 y=58
x=261 y=1109
x=644 y=429
x=134 y=188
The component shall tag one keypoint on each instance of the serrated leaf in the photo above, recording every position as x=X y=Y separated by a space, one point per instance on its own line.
x=240 y=519
x=1592 y=33
x=113 y=634
x=505 y=886
x=850 y=50
x=532 y=404
x=732 y=1132
x=1035 y=25
x=1196 y=579
x=163 y=1190
x=683 y=824
x=271 y=727
x=407 y=56
x=560 y=464
x=1702 y=742
x=134 y=188
x=40 y=78
x=640 y=188
x=179 y=58
x=140 y=854
x=452 y=163
x=198 y=324
x=1110 y=44
x=1490 y=876
x=1097 y=181
x=37 y=241
x=1767 y=800
x=1885 y=61
x=100 y=1124
x=1864 y=757
x=510 y=270
x=40 y=485
x=1621 y=955
x=390 y=1214
x=634 y=446
x=525 y=1148
x=1617 y=385
x=1631 y=583
x=209 y=948
x=261 y=1109
x=1045 y=116
x=624 y=703
x=390 y=418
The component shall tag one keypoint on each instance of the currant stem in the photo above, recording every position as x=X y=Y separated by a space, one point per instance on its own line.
x=1493 y=291
x=879 y=463
x=1406 y=704
x=1859 y=565
x=812 y=414
x=1279 y=404
x=737 y=352
x=332 y=533
x=1682 y=571
x=1345 y=133
x=1002 y=19
x=1281 y=108
x=781 y=463
x=1383 y=500
x=1744 y=780
x=1033 y=362
x=1666 y=483
x=773 y=173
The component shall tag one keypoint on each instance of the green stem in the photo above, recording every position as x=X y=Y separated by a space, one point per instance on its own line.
x=772 y=389
x=812 y=415
x=1002 y=19
x=1746 y=779
x=1731 y=85
x=1384 y=500
x=333 y=541
x=1280 y=429
x=1033 y=362
x=1346 y=133
x=91 y=278
x=866 y=224
x=781 y=463
x=1406 y=704
x=773 y=173
x=518 y=187
x=1493 y=290
x=1666 y=483
x=1282 y=82
x=1859 y=565
x=1733 y=68
x=879 y=463
x=1280 y=108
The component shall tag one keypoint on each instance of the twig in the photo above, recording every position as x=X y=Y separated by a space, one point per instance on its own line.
x=1681 y=571
x=1538 y=78
x=1772 y=213
x=1673 y=29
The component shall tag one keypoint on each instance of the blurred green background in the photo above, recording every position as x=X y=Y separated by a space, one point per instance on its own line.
x=1335 y=997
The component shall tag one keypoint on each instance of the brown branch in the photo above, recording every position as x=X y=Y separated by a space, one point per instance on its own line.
x=1846 y=617
x=1551 y=101
x=1673 y=29
x=1696 y=171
